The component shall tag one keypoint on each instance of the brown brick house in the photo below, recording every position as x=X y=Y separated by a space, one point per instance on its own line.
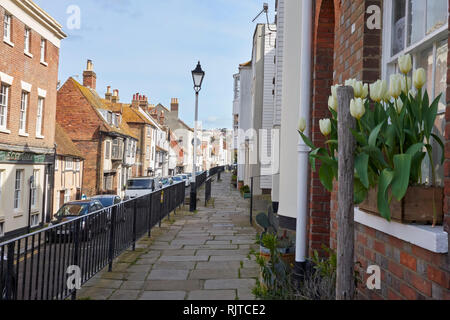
x=29 y=56
x=98 y=130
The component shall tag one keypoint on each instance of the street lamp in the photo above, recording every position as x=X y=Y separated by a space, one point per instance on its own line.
x=197 y=76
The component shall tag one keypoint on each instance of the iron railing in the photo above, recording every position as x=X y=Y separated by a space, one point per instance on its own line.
x=208 y=191
x=51 y=264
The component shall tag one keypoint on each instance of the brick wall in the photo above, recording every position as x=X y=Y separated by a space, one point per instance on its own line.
x=408 y=272
x=15 y=63
x=82 y=124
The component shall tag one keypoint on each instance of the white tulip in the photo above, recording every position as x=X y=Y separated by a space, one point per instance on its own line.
x=302 y=125
x=334 y=91
x=378 y=90
x=406 y=86
x=420 y=78
x=325 y=127
x=357 y=109
x=405 y=64
x=398 y=105
x=333 y=103
x=395 y=85
x=365 y=92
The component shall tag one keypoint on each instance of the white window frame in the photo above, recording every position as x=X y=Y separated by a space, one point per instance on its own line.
x=66 y=196
x=4 y=91
x=57 y=164
x=2 y=228
x=77 y=165
x=34 y=188
x=18 y=189
x=108 y=150
x=24 y=100
x=7 y=22
x=34 y=220
x=43 y=50
x=27 y=41
x=148 y=152
x=68 y=166
x=39 y=117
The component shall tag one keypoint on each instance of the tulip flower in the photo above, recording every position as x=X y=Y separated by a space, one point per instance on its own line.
x=406 y=86
x=357 y=109
x=302 y=125
x=405 y=64
x=395 y=85
x=333 y=103
x=398 y=105
x=378 y=90
x=358 y=87
x=325 y=127
x=420 y=78
x=334 y=91
x=365 y=92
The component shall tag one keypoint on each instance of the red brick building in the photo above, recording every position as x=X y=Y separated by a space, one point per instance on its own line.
x=29 y=57
x=99 y=131
x=414 y=260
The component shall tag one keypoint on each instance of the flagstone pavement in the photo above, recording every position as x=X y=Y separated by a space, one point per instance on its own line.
x=200 y=256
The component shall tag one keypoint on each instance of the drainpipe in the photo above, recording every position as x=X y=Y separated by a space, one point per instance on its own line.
x=303 y=149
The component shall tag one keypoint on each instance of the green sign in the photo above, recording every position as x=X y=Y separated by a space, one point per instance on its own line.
x=11 y=156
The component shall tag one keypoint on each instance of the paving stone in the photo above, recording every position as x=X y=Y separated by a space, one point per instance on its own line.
x=125 y=295
x=249 y=273
x=229 y=284
x=205 y=274
x=173 y=285
x=221 y=252
x=163 y=295
x=188 y=242
x=136 y=276
x=213 y=242
x=114 y=275
x=181 y=252
x=229 y=258
x=139 y=269
x=132 y=285
x=94 y=293
x=168 y=275
x=214 y=247
x=108 y=284
x=174 y=265
x=212 y=295
x=218 y=265
x=184 y=258
x=146 y=261
x=245 y=294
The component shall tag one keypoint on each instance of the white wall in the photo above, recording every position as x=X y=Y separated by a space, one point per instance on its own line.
x=290 y=109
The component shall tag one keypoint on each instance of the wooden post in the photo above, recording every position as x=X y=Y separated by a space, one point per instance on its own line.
x=345 y=284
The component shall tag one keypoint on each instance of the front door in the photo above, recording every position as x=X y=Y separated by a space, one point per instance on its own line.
x=61 y=198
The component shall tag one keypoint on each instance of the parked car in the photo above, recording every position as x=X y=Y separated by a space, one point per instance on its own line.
x=4 y=280
x=186 y=179
x=166 y=182
x=139 y=187
x=108 y=200
x=73 y=210
x=178 y=179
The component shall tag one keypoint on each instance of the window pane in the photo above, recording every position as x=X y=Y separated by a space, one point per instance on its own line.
x=441 y=74
x=425 y=60
x=416 y=20
x=437 y=13
x=399 y=30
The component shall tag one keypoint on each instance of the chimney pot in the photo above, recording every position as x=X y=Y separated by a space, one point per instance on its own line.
x=90 y=66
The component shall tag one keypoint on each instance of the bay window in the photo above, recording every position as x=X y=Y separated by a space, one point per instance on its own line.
x=420 y=28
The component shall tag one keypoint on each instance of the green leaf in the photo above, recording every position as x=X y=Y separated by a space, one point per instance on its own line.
x=307 y=141
x=402 y=172
x=374 y=135
x=360 y=138
x=430 y=116
x=360 y=192
x=362 y=168
x=384 y=183
x=441 y=144
x=415 y=149
x=326 y=176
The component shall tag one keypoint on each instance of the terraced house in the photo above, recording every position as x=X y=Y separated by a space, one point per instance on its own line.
x=98 y=130
x=29 y=56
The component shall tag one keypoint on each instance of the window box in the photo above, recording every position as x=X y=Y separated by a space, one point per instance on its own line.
x=426 y=237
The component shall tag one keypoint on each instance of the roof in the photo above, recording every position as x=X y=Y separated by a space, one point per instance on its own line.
x=129 y=114
x=98 y=103
x=160 y=105
x=184 y=124
x=246 y=64
x=65 y=145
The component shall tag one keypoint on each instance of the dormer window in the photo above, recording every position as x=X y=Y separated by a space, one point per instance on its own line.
x=109 y=118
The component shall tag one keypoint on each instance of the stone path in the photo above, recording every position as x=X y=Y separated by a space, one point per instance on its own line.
x=201 y=256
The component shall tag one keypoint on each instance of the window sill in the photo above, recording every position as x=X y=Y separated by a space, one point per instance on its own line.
x=9 y=43
x=29 y=55
x=18 y=214
x=23 y=134
x=40 y=137
x=426 y=237
x=44 y=63
x=4 y=130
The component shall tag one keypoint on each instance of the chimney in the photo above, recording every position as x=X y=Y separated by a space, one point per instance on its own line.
x=162 y=118
x=89 y=76
x=174 y=107
x=143 y=103
x=135 y=101
x=108 y=94
x=115 y=96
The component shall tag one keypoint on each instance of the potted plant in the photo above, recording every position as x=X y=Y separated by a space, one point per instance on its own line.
x=246 y=192
x=394 y=135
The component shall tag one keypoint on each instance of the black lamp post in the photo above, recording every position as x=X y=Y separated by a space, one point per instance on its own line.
x=197 y=76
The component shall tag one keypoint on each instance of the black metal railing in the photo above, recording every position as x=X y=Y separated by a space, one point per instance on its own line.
x=51 y=264
x=208 y=191
x=200 y=180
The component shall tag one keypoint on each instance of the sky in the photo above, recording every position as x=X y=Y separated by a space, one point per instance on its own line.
x=151 y=47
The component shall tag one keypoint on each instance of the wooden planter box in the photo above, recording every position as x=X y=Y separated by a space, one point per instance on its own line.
x=287 y=255
x=247 y=195
x=416 y=207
